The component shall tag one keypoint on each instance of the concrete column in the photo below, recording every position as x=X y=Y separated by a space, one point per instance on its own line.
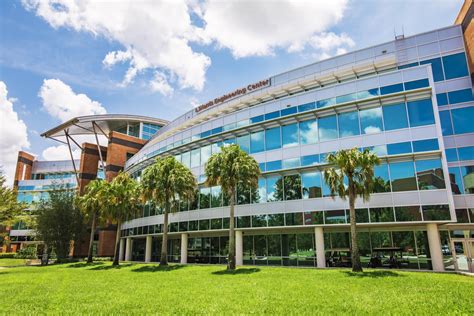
x=128 y=249
x=121 y=249
x=148 y=248
x=239 y=248
x=184 y=248
x=320 y=252
x=435 y=247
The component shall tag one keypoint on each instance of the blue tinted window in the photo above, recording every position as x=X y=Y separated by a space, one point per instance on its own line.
x=346 y=98
x=436 y=67
x=395 y=116
x=463 y=120
x=257 y=142
x=309 y=132
x=455 y=66
x=348 y=124
x=309 y=160
x=325 y=102
x=451 y=154
x=328 y=128
x=289 y=111
x=244 y=143
x=399 y=148
x=205 y=134
x=460 y=96
x=311 y=183
x=272 y=138
x=274 y=165
x=466 y=153
x=229 y=141
x=391 y=89
x=256 y=119
x=408 y=65
x=411 y=85
x=430 y=174
x=446 y=125
x=291 y=163
x=425 y=145
x=289 y=135
x=467 y=173
x=272 y=115
x=403 y=176
x=262 y=166
x=420 y=112
x=368 y=94
x=371 y=121
x=217 y=130
x=382 y=179
x=442 y=99
x=306 y=107
x=273 y=192
x=323 y=156
x=456 y=180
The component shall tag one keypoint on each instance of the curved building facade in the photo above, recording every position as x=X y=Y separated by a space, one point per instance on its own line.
x=409 y=100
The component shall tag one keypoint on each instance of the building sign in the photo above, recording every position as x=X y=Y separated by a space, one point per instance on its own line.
x=239 y=92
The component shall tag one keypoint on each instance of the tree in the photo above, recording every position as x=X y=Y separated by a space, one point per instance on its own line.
x=351 y=175
x=166 y=183
x=121 y=199
x=92 y=204
x=231 y=168
x=59 y=221
x=10 y=208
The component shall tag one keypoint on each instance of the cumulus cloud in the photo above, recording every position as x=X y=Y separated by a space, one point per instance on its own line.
x=60 y=152
x=13 y=134
x=61 y=102
x=160 y=84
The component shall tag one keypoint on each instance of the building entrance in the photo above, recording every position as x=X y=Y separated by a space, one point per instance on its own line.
x=463 y=252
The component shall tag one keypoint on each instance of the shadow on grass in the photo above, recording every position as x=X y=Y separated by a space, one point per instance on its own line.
x=85 y=264
x=372 y=274
x=158 y=268
x=236 y=272
x=112 y=267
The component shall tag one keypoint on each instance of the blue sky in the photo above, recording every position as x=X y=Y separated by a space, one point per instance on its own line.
x=182 y=54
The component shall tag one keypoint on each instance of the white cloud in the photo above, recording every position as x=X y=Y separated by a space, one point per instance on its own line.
x=155 y=34
x=160 y=84
x=13 y=134
x=60 y=152
x=256 y=28
x=61 y=102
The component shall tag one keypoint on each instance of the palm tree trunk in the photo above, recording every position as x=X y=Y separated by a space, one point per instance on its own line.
x=231 y=260
x=91 y=240
x=117 y=245
x=164 y=244
x=356 y=265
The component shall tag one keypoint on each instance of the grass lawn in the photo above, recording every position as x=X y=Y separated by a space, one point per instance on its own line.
x=11 y=262
x=140 y=288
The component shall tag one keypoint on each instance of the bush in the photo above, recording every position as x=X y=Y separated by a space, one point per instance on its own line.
x=29 y=252
x=7 y=255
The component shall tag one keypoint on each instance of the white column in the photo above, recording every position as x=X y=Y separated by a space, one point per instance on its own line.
x=121 y=249
x=320 y=252
x=239 y=248
x=128 y=249
x=435 y=247
x=184 y=248
x=148 y=248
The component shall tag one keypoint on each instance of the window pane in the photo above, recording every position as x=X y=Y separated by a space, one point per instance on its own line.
x=467 y=173
x=314 y=218
x=257 y=143
x=460 y=96
x=292 y=187
x=204 y=198
x=216 y=196
x=348 y=124
x=260 y=195
x=411 y=85
x=442 y=99
x=288 y=111
x=272 y=138
x=466 y=153
x=435 y=212
x=291 y=163
x=446 y=125
x=292 y=219
x=216 y=223
x=362 y=215
x=325 y=102
x=403 y=176
x=436 y=68
x=407 y=213
x=327 y=128
x=276 y=219
x=243 y=221
x=371 y=121
x=420 y=112
x=309 y=132
x=309 y=160
x=311 y=185
x=205 y=154
x=244 y=142
x=346 y=98
x=462 y=120
x=455 y=66
x=195 y=158
x=430 y=174
x=243 y=194
x=259 y=221
x=399 y=148
x=335 y=217
x=306 y=107
x=273 y=165
x=384 y=214
x=451 y=154
x=395 y=116
x=425 y=145
x=274 y=189
x=462 y=216
x=382 y=179
x=289 y=135
x=391 y=89
x=456 y=181
x=272 y=115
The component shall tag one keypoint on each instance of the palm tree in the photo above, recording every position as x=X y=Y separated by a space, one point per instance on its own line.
x=122 y=200
x=358 y=169
x=230 y=168
x=166 y=183
x=92 y=204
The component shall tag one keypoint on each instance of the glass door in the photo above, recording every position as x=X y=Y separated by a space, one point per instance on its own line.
x=463 y=251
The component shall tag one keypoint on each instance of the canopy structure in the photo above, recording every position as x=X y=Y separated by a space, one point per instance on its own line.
x=95 y=125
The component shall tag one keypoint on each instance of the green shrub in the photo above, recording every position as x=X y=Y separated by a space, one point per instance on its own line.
x=7 y=255
x=28 y=252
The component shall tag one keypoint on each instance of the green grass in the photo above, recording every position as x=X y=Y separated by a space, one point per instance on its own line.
x=145 y=289
x=11 y=262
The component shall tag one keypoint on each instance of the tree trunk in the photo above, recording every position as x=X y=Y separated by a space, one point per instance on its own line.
x=91 y=241
x=231 y=259
x=164 y=244
x=356 y=265
x=117 y=245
